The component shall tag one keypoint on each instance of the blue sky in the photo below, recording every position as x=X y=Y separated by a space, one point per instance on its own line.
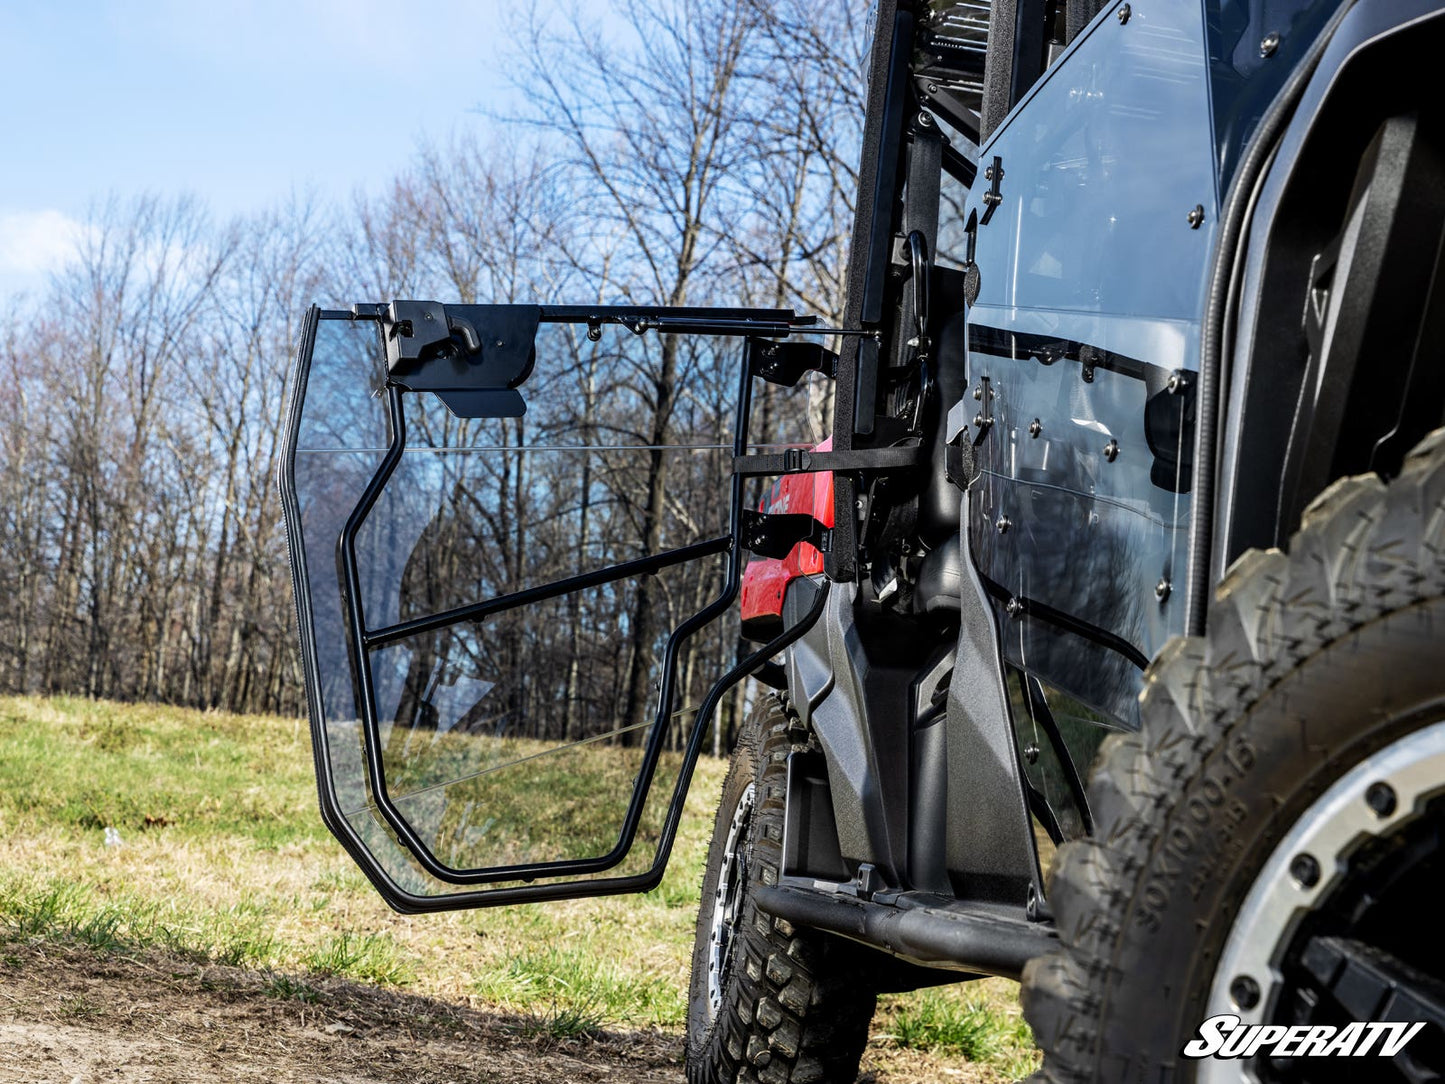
x=238 y=103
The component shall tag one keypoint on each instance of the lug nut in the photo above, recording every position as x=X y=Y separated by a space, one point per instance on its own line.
x=1245 y=992
x=1304 y=869
x=1381 y=798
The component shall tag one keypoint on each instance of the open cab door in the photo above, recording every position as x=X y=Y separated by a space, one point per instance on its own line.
x=508 y=540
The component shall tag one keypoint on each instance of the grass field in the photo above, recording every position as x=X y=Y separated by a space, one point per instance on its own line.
x=223 y=857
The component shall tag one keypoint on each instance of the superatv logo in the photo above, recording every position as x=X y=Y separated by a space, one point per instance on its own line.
x=1223 y=1037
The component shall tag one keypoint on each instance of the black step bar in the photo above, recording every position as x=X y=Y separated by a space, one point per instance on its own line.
x=953 y=935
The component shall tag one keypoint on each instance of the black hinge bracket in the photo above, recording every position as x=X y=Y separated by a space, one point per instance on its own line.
x=993 y=197
x=785 y=363
x=802 y=461
x=775 y=534
x=473 y=357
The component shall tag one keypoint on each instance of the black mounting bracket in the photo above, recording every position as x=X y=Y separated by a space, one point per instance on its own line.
x=993 y=197
x=775 y=534
x=785 y=363
x=472 y=356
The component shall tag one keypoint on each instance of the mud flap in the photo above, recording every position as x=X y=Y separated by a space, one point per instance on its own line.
x=498 y=715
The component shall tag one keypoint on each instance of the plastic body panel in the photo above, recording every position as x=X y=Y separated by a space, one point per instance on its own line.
x=765 y=579
x=1291 y=220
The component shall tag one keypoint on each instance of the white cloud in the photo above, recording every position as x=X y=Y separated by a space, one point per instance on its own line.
x=35 y=242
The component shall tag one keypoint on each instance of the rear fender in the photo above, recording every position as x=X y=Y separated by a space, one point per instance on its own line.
x=1337 y=365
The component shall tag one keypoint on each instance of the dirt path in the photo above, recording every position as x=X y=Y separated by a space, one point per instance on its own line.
x=78 y=1016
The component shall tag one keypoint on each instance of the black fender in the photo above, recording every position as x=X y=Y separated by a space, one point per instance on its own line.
x=1329 y=337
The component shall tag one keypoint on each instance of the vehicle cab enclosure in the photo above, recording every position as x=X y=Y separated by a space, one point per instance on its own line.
x=1112 y=274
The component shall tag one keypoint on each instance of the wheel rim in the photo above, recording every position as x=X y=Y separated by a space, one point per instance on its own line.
x=1382 y=800
x=727 y=900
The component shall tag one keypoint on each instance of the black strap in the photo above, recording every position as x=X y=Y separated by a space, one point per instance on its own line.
x=802 y=461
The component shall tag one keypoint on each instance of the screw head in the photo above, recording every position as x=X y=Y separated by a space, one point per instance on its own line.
x=1162 y=589
x=1087 y=374
x=1196 y=216
x=1381 y=798
x=1124 y=12
x=1305 y=869
x=1245 y=992
x=1035 y=428
x=1111 y=451
x=1176 y=382
x=1003 y=524
x=978 y=392
x=1014 y=607
x=1269 y=44
x=1031 y=754
x=925 y=119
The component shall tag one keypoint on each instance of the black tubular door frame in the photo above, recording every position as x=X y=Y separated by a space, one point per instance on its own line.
x=361 y=640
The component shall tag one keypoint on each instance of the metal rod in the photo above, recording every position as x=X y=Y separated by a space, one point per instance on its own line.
x=642 y=566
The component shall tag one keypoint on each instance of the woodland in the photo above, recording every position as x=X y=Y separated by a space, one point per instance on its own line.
x=669 y=153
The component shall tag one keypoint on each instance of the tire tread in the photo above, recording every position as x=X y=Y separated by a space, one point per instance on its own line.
x=1364 y=549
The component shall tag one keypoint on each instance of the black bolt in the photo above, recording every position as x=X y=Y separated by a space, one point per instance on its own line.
x=1245 y=992
x=1381 y=798
x=1003 y=524
x=1304 y=869
x=1087 y=372
x=1270 y=43
x=925 y=119
x=1196 y=216
x=1124 y=13
x=1111 y=451
x=1035 y=428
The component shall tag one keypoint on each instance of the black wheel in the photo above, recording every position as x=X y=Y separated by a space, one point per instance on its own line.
x=768 y=1002
x=1269 y=846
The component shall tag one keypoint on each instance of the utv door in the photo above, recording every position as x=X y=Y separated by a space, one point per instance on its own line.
x=504 y=603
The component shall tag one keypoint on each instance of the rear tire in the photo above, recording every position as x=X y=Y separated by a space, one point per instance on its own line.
x=1318 y=667
x=769 y=1002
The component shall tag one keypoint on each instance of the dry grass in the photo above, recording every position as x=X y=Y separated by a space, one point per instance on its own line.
x=224 y=859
